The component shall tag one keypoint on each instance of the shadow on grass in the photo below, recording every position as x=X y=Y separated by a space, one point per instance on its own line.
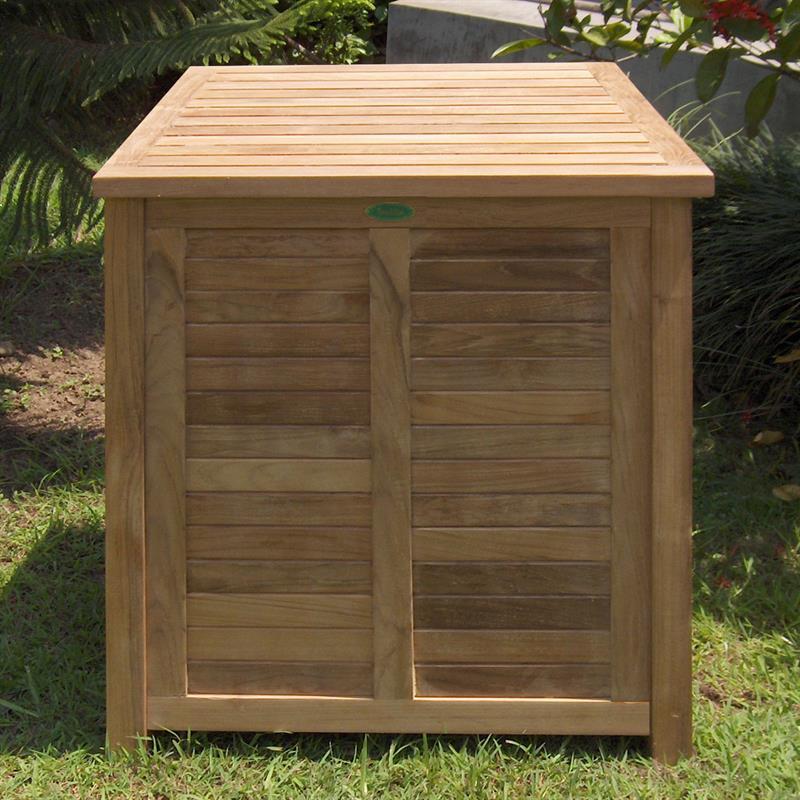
x=747 y=541
x=51 y=642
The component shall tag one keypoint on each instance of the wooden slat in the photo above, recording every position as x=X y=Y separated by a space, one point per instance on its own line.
x=511 y=578
x=277 y=441
x=510 y=274
x=304 y=577
x=286 y=243
x=303 y=678
x=511 y=544
x=284 y=610
x=333 y=274
x=282 y=408
x=264 y=145
x=631 y=432
x=532 y=613
x=428 y=211
x=671 y=734
x=444 y=93
x=515 y=408
x=278 y=339
x=391 y=458
x=256 y=542
x=538 y=680
x=509 y=441
x=510 y=307
x=445 y=511
x=279 y=644
x=316 y=105
x=260 y=306
x=481 y=477
x=252 y=508
x=526 y=340
x=501 y=242
x=436 y=715
x=164 y=428
x=232 y=156
x=278 y=475
x=469 y=180
x=509 y=374
x=510 y=647
x=270 y=374
x=125 y=472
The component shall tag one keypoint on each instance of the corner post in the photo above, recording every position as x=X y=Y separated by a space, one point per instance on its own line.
x=671 y=698
x=125 y=458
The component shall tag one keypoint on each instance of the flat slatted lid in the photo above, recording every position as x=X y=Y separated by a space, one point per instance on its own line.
x=571 y=129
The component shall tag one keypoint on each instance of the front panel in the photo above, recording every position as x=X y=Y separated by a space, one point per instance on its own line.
x=397 y=473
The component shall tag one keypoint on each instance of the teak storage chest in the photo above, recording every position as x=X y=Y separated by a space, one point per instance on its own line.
x=399 y=404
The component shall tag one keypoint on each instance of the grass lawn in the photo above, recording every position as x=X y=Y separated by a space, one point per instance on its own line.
x=746 y=624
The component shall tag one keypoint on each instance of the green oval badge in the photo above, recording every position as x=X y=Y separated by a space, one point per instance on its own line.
x=390 y=212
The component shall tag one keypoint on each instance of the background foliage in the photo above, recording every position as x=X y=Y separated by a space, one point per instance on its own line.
x=765 y=32
x=747 y=275
x=73 y=73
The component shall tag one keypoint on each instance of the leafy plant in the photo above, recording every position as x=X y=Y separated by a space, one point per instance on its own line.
x=766 y=34
x=69 y=69
x=747 y=274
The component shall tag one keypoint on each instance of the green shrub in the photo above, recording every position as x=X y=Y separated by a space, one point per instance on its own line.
x=747 y=275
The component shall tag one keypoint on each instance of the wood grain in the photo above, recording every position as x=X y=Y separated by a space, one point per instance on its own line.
x=279 y=644
x=260 y=306
x=538 y=680
x=512 y=544
x=532 y=613
x=510 y=307
x=277 y=408
x=271 y=374
x=530 y=274
x=279 y=577
x=287 y=243
x=671 y=733
x=509 y=374
x=501 y=242
x=631 y=428
x=277 y=441
x=511 y=647
x=524 y=340
x=428 y=211
x=279 y=610
x=285 y=274
x=279 y=678
x=508 y=579
x=278 y=475
x=514 y=408
x=470 y=510
x=524 y=476
x=165 y=395
x=277 y=339
x=391 y=457
x=278 y=542
x=437 y=715
x=258 y=508
x=509 y=441
x=125 y=473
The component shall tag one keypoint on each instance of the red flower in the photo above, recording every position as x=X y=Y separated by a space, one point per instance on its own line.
x=720 y=11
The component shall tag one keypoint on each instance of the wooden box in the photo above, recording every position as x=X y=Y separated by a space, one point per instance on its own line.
x=399 y=404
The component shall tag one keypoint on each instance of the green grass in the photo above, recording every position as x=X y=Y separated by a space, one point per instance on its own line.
x=747 y=681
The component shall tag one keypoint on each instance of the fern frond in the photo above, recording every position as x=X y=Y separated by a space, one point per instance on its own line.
x=46 y=189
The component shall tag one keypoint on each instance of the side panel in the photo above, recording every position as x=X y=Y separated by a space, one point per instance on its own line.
x=125 y=419
x=511 y=469
x=278 y=567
